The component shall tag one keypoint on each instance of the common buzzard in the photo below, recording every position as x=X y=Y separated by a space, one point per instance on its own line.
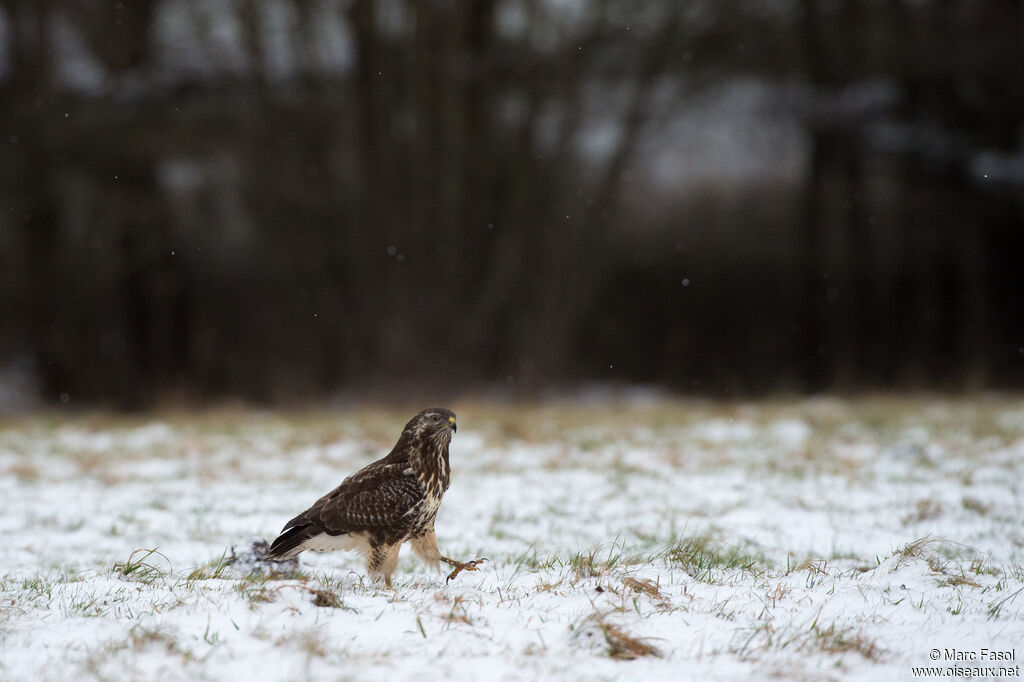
x=378 y=508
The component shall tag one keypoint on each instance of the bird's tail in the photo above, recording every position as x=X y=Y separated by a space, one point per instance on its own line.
x=289 y=543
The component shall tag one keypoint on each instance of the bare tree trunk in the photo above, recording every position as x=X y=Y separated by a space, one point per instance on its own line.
x=32 y=150
x=368 y=194
x=815 y=359
x=812 y=346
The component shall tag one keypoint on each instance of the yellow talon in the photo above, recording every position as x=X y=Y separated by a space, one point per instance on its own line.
x=460 y=567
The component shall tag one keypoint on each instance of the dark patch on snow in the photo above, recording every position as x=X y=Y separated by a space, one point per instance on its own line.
x=251 y=557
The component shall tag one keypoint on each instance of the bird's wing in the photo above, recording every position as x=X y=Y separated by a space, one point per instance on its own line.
x=375 y=497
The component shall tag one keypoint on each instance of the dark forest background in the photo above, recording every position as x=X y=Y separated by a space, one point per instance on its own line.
x=281 y=200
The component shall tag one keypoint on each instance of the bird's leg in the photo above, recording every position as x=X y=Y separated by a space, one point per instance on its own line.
x=460 y=566
x=425 y=547
x=387 y=582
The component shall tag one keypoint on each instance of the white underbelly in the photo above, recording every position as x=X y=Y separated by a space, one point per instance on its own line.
x=333 y=543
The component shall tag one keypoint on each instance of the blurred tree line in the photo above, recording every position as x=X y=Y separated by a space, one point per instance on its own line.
x=280 y=199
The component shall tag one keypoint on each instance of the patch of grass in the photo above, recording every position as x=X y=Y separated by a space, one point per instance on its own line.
x=911 y=551
x=811 y=565
x=995 y=608
x=327 y=593
x=587 y=564
x=958 y=580
x=625 y=647
x=621 y=645
x=833 y=639
x=705 y=559
x=255 y=590
x=141 y=566
x=598 y=562
x=533 y=561
x=648 y=587
x=216 y=569
x=24 y=471
x=975 y=505
x=143 y=636
x=325 y=598
x=549 y=587
x=777 y=593
x=840 y=640
x=981 y=566
x=38 y=589
x=924 y=510
x=458 y=612
x=311 y=642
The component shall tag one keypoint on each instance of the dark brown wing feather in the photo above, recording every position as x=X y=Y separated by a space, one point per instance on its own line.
x=286 y=543
x=374 y=500
x=377 y=504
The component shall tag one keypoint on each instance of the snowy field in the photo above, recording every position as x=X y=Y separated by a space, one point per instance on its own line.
x=657 y=541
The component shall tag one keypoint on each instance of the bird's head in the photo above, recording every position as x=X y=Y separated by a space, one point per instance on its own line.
x=434 y=423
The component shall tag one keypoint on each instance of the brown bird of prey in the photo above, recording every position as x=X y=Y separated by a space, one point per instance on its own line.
x=385 y=504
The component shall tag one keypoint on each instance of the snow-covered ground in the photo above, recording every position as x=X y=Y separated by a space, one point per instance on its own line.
x=805 y=540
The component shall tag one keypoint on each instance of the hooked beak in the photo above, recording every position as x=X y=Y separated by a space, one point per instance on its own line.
x=452 y=425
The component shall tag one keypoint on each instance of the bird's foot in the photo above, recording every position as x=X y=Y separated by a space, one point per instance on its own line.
x=460 y=566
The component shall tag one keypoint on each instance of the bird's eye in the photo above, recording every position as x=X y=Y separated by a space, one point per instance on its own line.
x=435 y=419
